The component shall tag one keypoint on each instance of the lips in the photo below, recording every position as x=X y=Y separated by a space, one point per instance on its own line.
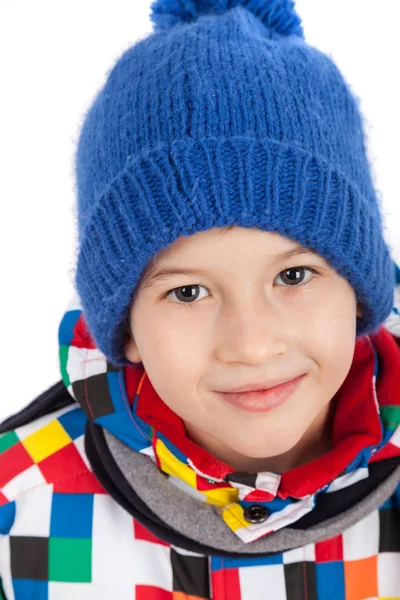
x=264 y=400
x=259 y=387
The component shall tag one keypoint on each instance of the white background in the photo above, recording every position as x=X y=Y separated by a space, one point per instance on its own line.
x=54 y=56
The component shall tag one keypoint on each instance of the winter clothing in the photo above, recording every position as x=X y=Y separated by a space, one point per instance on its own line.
x=223 y=116
x=102 y=495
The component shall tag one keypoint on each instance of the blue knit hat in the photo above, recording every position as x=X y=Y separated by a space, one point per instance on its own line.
x=222 y=116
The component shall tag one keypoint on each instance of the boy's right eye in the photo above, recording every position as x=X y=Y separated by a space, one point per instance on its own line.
x=187 y=294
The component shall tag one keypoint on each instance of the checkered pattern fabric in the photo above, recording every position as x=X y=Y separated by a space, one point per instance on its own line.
x=64 y=537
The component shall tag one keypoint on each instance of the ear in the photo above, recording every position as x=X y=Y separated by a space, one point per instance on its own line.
x=131 y=350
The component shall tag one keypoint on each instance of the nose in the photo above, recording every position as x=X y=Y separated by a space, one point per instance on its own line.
x=251 y=335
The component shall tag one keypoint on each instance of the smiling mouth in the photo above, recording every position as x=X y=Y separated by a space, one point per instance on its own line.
x=262 y=400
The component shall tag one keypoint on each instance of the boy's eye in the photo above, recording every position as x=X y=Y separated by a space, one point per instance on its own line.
x=187 y=294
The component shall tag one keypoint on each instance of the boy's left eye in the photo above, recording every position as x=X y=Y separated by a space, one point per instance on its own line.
x=188 y=296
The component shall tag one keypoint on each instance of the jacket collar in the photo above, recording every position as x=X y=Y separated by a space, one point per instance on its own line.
x=181 y=519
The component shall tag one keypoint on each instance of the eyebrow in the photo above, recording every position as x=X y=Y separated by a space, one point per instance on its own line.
x=161 y=273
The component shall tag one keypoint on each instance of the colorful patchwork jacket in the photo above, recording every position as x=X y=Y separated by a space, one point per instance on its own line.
x=103 y=495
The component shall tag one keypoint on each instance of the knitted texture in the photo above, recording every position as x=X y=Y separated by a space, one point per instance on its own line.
x=223 y=116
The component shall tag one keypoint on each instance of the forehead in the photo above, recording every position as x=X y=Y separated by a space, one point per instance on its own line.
x=251 y=239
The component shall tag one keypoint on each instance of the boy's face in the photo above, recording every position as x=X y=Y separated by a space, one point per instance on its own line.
x=245 y=319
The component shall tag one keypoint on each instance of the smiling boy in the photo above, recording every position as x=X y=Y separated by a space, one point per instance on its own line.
x=230 y=237
x=235 y=320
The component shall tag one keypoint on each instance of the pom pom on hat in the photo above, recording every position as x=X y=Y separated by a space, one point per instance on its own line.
x=278 y=15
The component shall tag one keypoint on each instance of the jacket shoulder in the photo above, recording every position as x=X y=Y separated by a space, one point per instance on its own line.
x=43 y=445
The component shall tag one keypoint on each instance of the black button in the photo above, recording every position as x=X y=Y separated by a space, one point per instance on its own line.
x=256 y=513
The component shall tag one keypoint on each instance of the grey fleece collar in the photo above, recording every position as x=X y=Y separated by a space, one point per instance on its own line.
x=203 y=523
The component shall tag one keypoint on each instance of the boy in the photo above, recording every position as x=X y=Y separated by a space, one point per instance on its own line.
x=227 y=424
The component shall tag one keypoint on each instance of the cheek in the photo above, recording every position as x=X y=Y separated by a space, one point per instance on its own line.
x=172 y=360
x=330 y=343
x=331 y=317
x=178 y=345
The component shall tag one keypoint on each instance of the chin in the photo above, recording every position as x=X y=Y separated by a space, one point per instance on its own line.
x=264 y=451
